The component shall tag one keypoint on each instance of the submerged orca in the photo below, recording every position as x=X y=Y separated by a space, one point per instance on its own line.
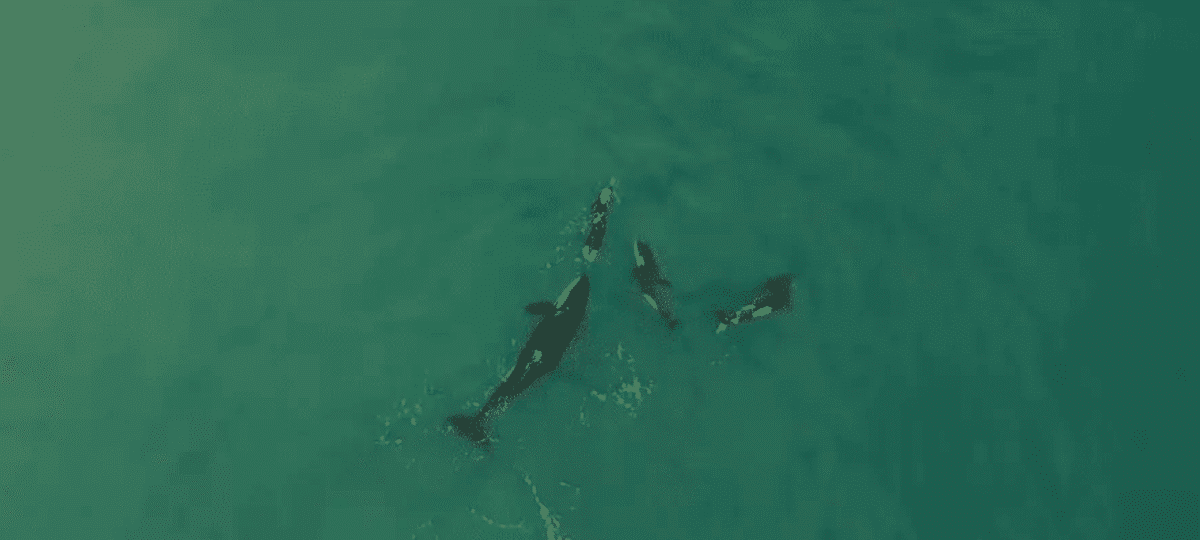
x=542 y=353
x=773 y=296
x=653 y=286
x=598 y=222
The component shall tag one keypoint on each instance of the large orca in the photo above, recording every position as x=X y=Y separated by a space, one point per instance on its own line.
x=542 y=353
x=598 y=222
x=773 y=296
x=654 y=287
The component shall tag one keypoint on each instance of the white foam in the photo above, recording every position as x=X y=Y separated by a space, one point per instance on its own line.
x=552 y=524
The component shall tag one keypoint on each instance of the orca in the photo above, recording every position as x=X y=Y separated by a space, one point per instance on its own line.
x=773 y=296
x=598 y=221
x=654 y=287
x=542 y=353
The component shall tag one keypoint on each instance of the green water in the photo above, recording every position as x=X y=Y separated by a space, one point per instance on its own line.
x=253 y=254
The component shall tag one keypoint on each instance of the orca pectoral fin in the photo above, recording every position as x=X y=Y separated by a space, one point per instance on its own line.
x=544 y=308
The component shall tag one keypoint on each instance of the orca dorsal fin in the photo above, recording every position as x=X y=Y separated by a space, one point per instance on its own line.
x=544 y=308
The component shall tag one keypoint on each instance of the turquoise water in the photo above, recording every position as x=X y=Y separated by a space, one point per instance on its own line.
x=254 y=254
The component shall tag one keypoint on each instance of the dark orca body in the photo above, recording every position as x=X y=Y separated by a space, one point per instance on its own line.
x=651 y=283
x=773 y=296
x=541 y=355
x=598 y=223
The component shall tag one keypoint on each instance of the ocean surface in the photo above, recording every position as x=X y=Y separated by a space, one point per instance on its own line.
x=254 y=254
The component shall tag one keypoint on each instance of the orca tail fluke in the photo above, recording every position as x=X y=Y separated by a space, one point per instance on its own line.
x=470 y=428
